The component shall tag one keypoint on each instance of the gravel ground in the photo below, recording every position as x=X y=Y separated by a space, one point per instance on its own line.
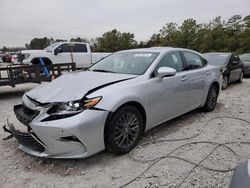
x=18 y=169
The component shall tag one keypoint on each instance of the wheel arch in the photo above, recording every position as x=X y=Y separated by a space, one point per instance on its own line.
x=217 y=85
x=47 y=60
x=136 y=104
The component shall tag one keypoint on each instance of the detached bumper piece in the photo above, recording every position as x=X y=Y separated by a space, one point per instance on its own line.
x=25 y=115
x=28 y=140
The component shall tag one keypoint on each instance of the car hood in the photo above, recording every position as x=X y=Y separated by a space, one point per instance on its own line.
x=74 y=86
x=32 y=51
x=222 y=67
x=246 y=63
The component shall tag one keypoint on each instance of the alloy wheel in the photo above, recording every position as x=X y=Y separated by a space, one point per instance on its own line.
x=126 y=130
x=212 y=98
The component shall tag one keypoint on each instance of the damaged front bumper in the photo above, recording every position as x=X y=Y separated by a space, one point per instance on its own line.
x=78 y=136
x=28 y=141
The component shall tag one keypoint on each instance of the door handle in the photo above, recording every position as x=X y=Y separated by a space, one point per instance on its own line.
x=208 y=72
x=183 y=78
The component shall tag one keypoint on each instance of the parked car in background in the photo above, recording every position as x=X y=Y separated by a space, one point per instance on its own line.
x=113 y=102
x=245 y=58
x=62 y=52
x=1 y=55
x=14 y=58
x=230 y=64
x=6 y=57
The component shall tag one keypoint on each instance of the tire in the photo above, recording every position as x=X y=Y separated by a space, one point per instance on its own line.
x=241 y=77
x=211 y=100
x=225 y=82
x=124 y=130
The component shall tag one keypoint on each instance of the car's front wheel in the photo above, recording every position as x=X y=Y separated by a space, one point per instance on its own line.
x=211 y=100
x=124 y=130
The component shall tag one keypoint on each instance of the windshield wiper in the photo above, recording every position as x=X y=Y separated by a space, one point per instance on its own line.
x=101 y=70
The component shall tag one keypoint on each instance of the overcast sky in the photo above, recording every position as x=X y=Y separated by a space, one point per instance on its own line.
x=22 y=20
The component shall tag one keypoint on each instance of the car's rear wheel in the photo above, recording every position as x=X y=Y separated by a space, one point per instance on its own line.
x=124 y=130
x=225 y=82
x=211 y=100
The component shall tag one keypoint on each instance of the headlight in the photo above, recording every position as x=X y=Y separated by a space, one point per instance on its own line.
x=26 y=56
x=90 y=103
x=74 y=107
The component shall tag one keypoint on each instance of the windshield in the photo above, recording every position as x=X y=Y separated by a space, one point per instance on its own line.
x=245 y=57
x=126 y=63
x=50 y=47
x=216 y=59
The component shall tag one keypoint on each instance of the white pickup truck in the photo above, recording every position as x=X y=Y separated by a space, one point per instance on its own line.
x=61 y=52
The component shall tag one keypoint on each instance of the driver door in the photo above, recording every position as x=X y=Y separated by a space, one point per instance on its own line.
x=168 y=96
x=235 y=68
x=64 y=54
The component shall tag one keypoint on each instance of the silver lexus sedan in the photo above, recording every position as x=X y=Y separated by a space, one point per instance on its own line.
x=110 y=105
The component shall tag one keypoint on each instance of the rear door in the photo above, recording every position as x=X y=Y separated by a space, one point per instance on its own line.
x=81 y=55
x=197 y=78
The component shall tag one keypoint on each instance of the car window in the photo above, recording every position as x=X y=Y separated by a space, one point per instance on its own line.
x=236 y=58
x=231 y=59
x=80 y=48
x=193 y=61
x=172 y=60
x=49 y=48
x=65 y=48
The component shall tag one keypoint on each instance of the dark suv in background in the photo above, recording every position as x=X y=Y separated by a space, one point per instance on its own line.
x=231 y=66
x=245 y=58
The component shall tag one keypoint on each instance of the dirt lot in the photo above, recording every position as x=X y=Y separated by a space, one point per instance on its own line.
x=18 y=169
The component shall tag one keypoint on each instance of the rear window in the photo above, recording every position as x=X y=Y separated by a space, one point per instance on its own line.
x=80 y=48
x=193 y=61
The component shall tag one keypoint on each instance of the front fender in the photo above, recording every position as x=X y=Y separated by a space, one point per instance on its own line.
x=112 y=103
x=125 y=100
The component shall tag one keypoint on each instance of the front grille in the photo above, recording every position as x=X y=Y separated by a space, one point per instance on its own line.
x=24 y=114
x=28 y=140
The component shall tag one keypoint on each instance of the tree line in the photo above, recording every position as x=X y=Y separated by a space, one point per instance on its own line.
x=218 y=35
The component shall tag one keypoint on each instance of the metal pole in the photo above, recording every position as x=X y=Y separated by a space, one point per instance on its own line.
x=71 y=54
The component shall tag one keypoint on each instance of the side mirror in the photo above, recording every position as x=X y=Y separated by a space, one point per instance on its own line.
x=57 y=51
x=166 y=72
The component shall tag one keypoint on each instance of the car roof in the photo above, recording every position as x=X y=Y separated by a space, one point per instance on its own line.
x=219 y=53
x=245 y=54
x=157 y=49
x=66 y=42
